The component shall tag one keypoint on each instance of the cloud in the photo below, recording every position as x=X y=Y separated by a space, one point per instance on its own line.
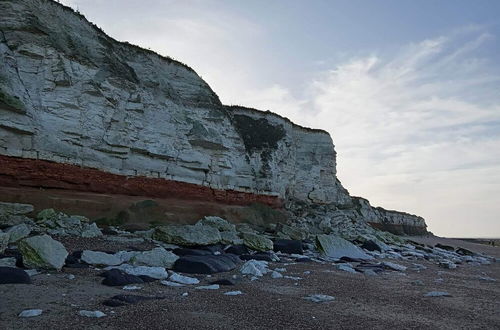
x=418 y=130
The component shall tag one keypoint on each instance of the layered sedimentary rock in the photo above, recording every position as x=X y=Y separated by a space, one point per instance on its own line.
x=82 y=112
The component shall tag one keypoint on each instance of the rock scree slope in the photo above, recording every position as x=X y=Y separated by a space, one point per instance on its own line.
x=80 y=111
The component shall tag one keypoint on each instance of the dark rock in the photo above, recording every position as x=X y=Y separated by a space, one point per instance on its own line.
x=10 y=275
x=124 y=299
x=377 y=268
x=212 y=248
x=265 y=256
x=77 y=265
x=108 y=231
x=371 y=246
x=208 y=264
x=238 y=249
x=303 y=259
x=77 y=254
x=445 y=247
x=288 y=246
x=191 y=252
x=116 y=277
x=11 y=253
x=464 y=252
x=349 y=259
x=147 y=279
x=224 y=281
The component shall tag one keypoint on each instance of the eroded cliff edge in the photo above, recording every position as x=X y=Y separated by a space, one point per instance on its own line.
x=80 y=111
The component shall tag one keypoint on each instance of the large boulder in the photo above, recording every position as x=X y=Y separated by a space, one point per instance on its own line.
x=158 y=257
x=337 y=247
x=12 y=214
x=208 y=264
x=100 y=258
x=187 y=235
x=218 y=223
x=15 y=208
x=257 y=242
x=42 y=252
x=18 y=232
x=158 y=273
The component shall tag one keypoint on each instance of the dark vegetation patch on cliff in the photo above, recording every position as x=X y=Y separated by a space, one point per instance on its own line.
x=232 y=108
x=258 y=134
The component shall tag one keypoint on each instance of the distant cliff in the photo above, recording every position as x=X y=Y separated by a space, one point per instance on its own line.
x=80 y=111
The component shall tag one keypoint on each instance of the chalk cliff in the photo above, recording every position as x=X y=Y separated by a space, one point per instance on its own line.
x=80 y=111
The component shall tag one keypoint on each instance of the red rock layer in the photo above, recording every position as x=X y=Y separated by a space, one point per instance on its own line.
x=23 y=172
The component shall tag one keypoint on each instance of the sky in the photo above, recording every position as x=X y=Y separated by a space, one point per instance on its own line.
x=409 y=90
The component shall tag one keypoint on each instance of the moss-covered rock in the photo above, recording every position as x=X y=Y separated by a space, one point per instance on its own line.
x=187 y=235
x=257 y=242
x=42 y=252
x=218 y=223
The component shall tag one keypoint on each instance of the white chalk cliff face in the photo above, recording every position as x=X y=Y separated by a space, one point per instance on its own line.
x=70 y=94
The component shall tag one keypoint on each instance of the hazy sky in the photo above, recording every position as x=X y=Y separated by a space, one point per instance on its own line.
x=409 y=90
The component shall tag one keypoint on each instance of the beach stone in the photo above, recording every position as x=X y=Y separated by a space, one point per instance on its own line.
x=444 y=247
x=8 y=262
x=192 y=252
x=257 y=242
x=116 y=277
x=183 y=279
x=275 y=274
x=4 y=241
x=208 y=264
x=437 y=294
x=100 y=258
x=15 y=208
x=30 y=313
x=346 y=268
x=337 y=247
x=169 y=283
x=464 y=252
x=394 y=266
x=96 y=314
x=187 y=235
x=208 y=287
x=158 y=273
x=18 y=232
x=11 y=275
x=289 y=232
x=288 y=246
x=255 y=268
x=238 y=249
x=224 y=281
x=371 y=245
x=258 y=256
x=233 y=293
x=447 y=264
x=319 y=298
x=230 y=237
x=158 y=257
x=42 y=252
x=91 y=230
x=218 y=223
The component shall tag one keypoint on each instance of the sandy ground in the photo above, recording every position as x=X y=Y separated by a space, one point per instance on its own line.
x=391 y=300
